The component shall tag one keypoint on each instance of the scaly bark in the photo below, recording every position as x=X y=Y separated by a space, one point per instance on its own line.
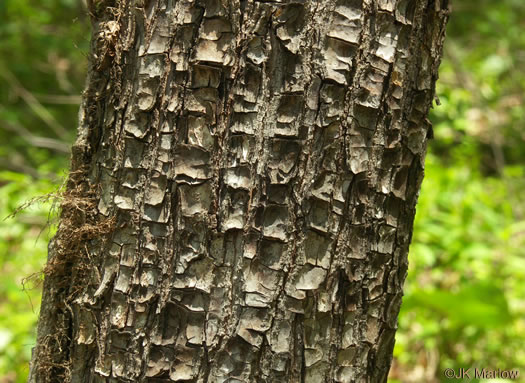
x=247 y=173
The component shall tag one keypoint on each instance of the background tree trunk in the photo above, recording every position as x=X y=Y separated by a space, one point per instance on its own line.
x=242 y=192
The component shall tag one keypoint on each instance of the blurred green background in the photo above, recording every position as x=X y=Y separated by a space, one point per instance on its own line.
x=465 y=294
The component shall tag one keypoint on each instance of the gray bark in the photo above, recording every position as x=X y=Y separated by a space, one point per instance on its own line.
x=242 y=192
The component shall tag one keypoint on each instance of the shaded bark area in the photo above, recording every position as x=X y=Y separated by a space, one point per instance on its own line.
x=253 y=168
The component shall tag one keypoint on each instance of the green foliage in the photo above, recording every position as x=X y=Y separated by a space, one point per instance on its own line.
x=464 y=303
x=23 y=248
x=464 y=296
x=481 y=85
x=43 y=58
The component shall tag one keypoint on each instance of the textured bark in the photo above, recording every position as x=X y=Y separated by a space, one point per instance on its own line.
x=242 y=192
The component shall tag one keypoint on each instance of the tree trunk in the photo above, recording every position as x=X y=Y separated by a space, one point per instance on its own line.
x=242 y=192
